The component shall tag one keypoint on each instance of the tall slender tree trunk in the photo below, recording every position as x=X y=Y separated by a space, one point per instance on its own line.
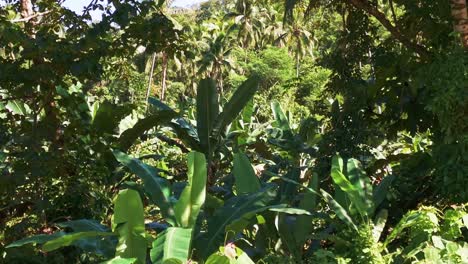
x=298 y=64
x=217 y=75
x=221 y=84
x=150 y=79
x=460 y=17
x=164 y=75
x=194 y=84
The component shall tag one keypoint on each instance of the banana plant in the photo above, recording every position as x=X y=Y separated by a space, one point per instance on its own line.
x=185 y=215
x=211 y=124
x=127 y=240
x=283 y=136
x=175 y=241
x=355 y=200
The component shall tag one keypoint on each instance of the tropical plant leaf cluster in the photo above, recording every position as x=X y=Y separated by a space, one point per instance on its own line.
x=235 y=131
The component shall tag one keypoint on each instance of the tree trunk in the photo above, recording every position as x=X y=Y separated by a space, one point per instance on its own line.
x=26 y=8
x=164 y=75
x=217 y=75
x=460 y=17
x=150 y=81
x=26 y=13
x=298 y=60
x=221 y=84
x=297 y=68
x=192 y=80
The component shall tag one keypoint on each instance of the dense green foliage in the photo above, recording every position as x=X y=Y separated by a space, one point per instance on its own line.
x=237 y=131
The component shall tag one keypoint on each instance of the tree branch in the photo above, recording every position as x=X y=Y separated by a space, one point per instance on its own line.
x=394 y=30
x=26 y=19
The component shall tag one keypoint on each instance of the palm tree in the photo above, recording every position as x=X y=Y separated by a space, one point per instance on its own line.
x=272 y=27
x=298 y=39
x=247 y=21
x=216 y=57
x=194 y=45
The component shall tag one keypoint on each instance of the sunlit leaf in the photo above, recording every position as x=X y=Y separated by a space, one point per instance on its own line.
x=128 y=222
x=173 y=243
x=246 y=180
x=338 y=209
x=158 y=188
x=193 y=196
x=69 y=239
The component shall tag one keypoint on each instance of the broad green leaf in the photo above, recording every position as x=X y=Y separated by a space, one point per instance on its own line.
x=344 y=184
x=128 y=222
x=285 y=230
x=379 y=224
x=361 y=183
x=184 y=130
x=337 y=163
x=207 y=112
x=233 y=209
x=82 y=225
x=129 y=136
x=380 y=193
x=87 y=241
x=69 y=239
x=174 y=261
x=233 y=256
x=245 y=179
x=281 y=121
x=308 y=202
x=108 y=117
x=234 y=106
x=217 y=258
x=298 y=184
x=282 y=208
x=158 y=188
x=358 y=178
x=242 y=258
x=338 y=209
x=16 y=107
x=289 y=190
x=128 y=122
x=193 y=196
x=247 y=113
x=212 y=202
x=239 y=224
x=104 y=246
x=93 y=109
x=119 y=260
x=173 y=243
x=37 y=239
x=158 y=105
